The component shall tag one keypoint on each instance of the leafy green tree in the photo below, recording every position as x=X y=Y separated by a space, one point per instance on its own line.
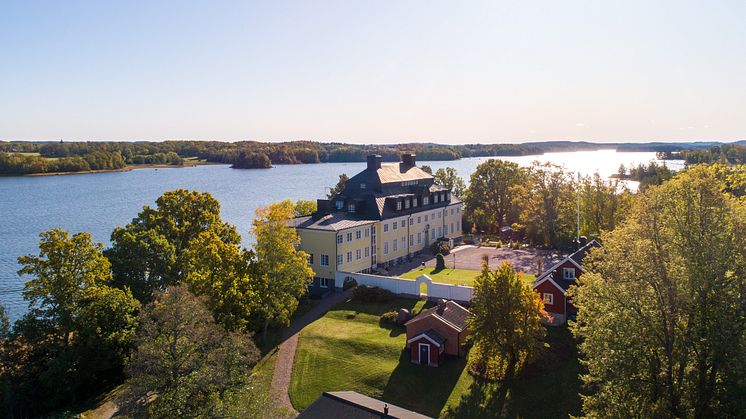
x=78 y=330
x=603 y=204
x=449 y=178
x=661 y=316
x=303 y=208
x=149 y=253
x=548 y=205
x=490 y=199
x=339 y=187
x=189 y=363
x=226 y=275
x=427 y=169
x=285 y=272
x=505 y=323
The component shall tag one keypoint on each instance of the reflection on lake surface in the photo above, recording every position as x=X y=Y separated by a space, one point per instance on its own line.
x=97 y=203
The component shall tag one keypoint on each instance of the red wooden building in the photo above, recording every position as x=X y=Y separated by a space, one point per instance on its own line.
x=552 y=285
x=437 y=332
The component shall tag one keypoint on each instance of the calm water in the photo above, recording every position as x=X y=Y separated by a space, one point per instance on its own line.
x=99 y=202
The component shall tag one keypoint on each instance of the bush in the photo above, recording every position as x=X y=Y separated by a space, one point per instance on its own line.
x=515 y=245
x=440 y=262
x=348 y=283
x=441 y=247
x=370 y=294
x=497 y=244
x=389 y=318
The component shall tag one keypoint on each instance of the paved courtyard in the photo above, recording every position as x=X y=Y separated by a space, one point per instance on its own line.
x=470 y=257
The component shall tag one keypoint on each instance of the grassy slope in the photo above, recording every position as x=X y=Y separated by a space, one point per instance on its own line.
x=347 y=349
x=454 y=276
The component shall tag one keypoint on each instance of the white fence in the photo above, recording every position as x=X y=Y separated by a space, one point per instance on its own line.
x=408 y=286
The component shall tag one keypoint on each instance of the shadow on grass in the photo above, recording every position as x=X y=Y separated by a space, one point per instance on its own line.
x=547 y=389
x=421 y=388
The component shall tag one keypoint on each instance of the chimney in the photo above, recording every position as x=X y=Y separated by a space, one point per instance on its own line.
x=323 y=207
x=441 y=306
x=409 y=159
x=374 y=161
x=583 y=241
x=385 y=410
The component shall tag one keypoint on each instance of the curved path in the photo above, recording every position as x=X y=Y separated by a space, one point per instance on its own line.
x=286 y=356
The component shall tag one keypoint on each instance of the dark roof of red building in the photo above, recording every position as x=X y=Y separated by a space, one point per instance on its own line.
x=451 y=312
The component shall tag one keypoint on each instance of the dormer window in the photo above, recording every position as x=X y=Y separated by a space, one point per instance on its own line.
x=414 y=202
x=398 y=205
x=340 y=205
x=351 y=208
x=568 y=274
x=363 y=185
x=406 y=204
x=425 y=200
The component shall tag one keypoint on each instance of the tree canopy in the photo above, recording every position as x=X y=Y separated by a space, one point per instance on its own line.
x=450 y=179
x=491 y=195
x=661 y=316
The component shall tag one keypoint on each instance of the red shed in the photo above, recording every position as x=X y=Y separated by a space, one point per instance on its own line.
x=437 y=332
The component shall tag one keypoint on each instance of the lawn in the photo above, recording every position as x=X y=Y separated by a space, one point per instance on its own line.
x=454 y=276
x=348 y=349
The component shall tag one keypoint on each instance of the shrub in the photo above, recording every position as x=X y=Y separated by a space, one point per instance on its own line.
x=515 y=245
x=389 y=318
x=441 y=247
x=372 y=294
x=440 y=262
x=348 y=283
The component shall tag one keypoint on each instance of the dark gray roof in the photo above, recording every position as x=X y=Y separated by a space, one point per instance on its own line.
x=580 y=254
x=333 y=222
x=353 y=405
x=432 y=334
x=452 y=313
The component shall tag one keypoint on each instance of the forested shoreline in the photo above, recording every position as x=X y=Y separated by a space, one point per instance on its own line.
x=22 y=158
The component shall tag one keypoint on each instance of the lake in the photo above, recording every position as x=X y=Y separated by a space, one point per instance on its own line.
x=97 y=203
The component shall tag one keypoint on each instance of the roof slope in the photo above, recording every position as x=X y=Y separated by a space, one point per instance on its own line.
x=400 y=172
x=353 y=405
x=451 y=313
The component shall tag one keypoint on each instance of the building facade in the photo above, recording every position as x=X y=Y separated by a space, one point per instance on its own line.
x=386 y=214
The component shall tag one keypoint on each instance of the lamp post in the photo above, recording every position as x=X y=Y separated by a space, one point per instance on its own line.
x=454 y=260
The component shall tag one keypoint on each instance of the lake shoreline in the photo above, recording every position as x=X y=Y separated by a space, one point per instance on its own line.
x=127 y=168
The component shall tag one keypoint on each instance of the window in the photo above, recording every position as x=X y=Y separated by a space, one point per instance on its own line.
x=568 y=273
x=403 y=242
x=385 y=228
x=395 y=224
x=411 y=239
x=425 y=200
x=438 y=214
x=411 y=221
x=452 y=230
x=435 y=198
x=324 y=260
x=363 y=186
x=406 y=204
x=324 y=282
x=445 y=213
x=349 y=256
x=358 y=235
x=440 y=232
x=310 y=258
x=349 y=236
x=396 y=245
x=458 y=210
x=340 y=260
x=358 y=254
x=451 y=211
x=419 y=237
x=403 y=223
x=432 y=233
x=367 y=252
x=386 y=247
x=339 y=239
x=367 y=233
x=340 y=204
x=351 y=208
x=426 y=217
x=398 y=205
x=548 y=298
x=414 y=203
x=419 y=220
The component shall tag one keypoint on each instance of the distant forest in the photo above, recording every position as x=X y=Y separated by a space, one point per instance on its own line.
x=725 y=153
x=19 y=158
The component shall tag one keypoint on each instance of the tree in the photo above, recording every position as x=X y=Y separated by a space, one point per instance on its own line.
x=285 y=271
x=78 y=330
x=225 y=274
x=149 y=253
x=4 y=323
x=339 y=187
x=505 y=323
x=188 y=361
x=65 y=268
x=427 y=169
x=603 y=204
x=449 y=178
x=661 y=315
x=548 y=205
x=303 y=208
x=490 y=199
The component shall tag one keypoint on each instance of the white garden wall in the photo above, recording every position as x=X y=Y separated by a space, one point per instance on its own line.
x=408 y=287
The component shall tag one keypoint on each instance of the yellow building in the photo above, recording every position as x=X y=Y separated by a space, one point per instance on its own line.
x=386 y=214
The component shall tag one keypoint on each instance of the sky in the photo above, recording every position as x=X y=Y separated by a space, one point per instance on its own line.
x=373 y=71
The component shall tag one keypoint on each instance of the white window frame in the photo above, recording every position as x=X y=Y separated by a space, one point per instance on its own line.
x=385 y=228
x=349 y=236
x=568 y=274
x=358 y=254
x=324 y=282
x=351 y=208
x=323 y=259
x=340 y=260
x=548 y=298
x=349 y=256
x=395 y=225
x=358 y=235
x=340 y=238
x=396 y=245
x=386 y=247
x=398 y=205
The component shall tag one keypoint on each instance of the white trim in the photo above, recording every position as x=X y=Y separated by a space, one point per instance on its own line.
x=549 y=278
x=544 y=296
x=560 y=263
x=565 y=275
x=423 y=335
x=437 y=317
x=419 y=353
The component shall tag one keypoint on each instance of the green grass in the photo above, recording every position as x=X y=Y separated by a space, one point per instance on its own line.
x=348 y=349
x=454 y=276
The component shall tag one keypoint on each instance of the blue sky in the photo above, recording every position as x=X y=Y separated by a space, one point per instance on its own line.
x=373 y=71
